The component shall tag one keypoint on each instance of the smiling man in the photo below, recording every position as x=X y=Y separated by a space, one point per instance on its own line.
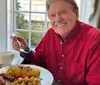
x=70 y=49
x=63 y=17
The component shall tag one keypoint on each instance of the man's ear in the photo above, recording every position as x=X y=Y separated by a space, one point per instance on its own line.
x=77 y=13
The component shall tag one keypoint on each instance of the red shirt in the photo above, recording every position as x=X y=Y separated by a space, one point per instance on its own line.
x=74 y=61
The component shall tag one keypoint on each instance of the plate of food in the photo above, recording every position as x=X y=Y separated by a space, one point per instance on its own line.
x=26 y=75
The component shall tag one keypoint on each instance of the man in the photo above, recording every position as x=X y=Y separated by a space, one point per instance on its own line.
x=69 y=50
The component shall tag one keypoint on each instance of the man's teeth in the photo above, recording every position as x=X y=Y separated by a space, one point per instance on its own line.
x=61 y=25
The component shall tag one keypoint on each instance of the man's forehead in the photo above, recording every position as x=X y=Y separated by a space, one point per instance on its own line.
x=59 y=8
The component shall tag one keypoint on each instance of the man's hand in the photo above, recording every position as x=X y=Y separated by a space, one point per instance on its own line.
x=15 y=43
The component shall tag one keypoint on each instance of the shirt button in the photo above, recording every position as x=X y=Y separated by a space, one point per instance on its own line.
x=62 y=55
x=58 y=80
x=60 y=67
x=60 y=42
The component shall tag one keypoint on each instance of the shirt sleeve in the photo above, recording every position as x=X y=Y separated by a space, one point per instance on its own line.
x=24 y=55
x=36 y=57
x=93 y=65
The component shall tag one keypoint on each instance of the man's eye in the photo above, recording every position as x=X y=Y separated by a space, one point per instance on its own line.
x=52 y=15
x=63 y=12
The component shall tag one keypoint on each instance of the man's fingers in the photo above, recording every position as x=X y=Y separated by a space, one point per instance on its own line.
x=11 y=37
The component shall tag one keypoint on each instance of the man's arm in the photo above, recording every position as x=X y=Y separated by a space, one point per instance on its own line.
x=93 y=66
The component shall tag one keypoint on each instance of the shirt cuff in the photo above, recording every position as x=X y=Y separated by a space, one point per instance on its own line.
x=24 y=55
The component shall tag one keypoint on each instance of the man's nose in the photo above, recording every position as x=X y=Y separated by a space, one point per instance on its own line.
x=58 y=18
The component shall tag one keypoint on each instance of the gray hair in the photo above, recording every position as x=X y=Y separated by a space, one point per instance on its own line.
x=72 y=2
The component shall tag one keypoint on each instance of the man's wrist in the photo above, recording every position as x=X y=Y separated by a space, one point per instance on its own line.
x=28 y=50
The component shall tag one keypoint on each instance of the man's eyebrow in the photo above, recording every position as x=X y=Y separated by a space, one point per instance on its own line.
x=64 y=9
x=51 y=13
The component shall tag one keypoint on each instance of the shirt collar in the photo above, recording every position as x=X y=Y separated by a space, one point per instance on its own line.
x=74 y=32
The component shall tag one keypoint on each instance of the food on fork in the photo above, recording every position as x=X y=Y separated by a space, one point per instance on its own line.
x=22 y=75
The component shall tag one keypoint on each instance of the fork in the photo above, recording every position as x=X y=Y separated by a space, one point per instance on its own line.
x=21 y=50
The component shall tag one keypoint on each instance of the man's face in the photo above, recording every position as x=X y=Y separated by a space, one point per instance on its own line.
x=62 y=17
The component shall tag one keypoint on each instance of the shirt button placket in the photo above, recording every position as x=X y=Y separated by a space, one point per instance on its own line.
x=60 y=64
x=61 y=68
x=60 y=42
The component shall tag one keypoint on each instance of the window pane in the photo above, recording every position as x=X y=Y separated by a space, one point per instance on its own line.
x=38 y=5
x=22 y=5
x=37 y=21
x=35 y=38
x=22 y=20
x=48 y=23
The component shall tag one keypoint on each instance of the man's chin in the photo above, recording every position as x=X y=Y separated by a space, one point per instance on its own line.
x=60 y=34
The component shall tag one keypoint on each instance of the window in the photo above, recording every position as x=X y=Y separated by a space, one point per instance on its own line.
x=28 y=19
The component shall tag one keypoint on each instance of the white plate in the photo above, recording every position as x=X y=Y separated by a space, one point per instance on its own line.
x=47 y=77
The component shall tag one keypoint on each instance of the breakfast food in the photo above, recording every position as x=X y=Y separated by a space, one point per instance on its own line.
x=8 y=76
x=23 y=75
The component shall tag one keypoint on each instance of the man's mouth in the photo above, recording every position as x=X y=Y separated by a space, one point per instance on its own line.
x=61 y=25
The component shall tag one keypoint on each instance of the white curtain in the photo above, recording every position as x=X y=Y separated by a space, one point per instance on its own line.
x=95 y=13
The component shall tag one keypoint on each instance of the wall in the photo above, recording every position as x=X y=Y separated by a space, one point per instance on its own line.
x=3 y=19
